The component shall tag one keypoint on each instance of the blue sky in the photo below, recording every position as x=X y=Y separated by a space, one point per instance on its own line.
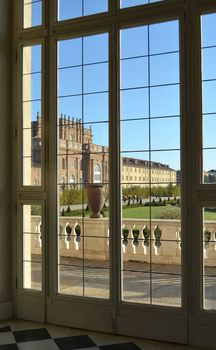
x=149 y=78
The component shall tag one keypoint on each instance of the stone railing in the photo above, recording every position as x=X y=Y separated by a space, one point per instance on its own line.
x=162 y=246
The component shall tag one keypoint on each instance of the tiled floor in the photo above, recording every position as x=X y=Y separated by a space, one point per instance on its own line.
x=23 y=335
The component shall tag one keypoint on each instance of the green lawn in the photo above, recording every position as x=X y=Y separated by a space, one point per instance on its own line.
x=164 y=212
x=209 y=216
x=141 y=212
x=159 y=212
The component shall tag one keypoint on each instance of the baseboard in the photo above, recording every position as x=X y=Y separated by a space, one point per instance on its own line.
x=6 y=311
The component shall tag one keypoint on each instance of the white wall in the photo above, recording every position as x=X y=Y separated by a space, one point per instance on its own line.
x=5 y=159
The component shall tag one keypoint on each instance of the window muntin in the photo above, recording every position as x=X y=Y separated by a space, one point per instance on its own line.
x=80 y=8
x=150 y=146
x=208 y=29
x=32 y=119
x=32 y=13
x=83 y=129
x=32 y=246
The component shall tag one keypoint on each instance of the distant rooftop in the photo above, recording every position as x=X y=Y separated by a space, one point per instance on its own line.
x=140 y=163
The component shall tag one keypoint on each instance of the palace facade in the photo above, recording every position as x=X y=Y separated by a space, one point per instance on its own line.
x=81 y=161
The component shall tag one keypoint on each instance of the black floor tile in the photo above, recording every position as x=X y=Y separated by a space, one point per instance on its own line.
x=5 y=329
x=75 y=342
x=125 y=346
x=9 y=347
x=31 y=335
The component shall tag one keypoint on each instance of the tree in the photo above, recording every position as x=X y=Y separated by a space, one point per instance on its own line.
x=72 y=196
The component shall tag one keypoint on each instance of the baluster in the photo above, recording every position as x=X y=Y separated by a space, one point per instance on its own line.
x=206 y=238
x=178 y=237
x=146 y=239
x=135 y=233
x=125 y=234
x=157 y=243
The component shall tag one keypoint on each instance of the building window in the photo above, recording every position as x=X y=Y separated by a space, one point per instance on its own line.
x=72 y=181
x=97 y=174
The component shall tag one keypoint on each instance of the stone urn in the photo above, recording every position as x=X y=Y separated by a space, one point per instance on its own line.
x=95 y=196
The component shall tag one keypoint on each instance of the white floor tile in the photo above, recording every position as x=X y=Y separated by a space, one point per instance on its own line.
x=7 y=338
x=47 y=344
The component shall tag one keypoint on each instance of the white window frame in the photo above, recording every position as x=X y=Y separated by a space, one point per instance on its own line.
x=200 y=323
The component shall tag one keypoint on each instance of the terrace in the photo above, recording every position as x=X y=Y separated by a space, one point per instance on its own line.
x=144 y=259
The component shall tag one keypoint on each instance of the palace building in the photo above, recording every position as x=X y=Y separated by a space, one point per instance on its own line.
x=81 y=161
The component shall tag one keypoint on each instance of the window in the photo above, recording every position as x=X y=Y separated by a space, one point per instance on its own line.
x=32 y=246
x=72 y=181
x=106 y=88
x=146 y=118
x=32 y=118
x=97 y=174
x=83 y=111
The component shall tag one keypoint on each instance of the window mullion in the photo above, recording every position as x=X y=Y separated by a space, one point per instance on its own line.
x=115 y=190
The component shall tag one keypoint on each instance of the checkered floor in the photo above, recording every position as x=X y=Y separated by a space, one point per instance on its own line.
x=41 y=339
x=27 y=335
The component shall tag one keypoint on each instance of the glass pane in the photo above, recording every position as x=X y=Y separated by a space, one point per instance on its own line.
x=208 y=30
x=165 y=133
x=70 y=81
x=70 y=279
x=136 y=283
x=83 y=172
x=209 y=255
x=68 y=9
x=165 y=101
x=95 y=78
x=134 y=73
x=95 y=48
x=32 y=246
x=139 y=108
x=134 y=42
x=171 y=284
x=32 y=13
x=158 y=36
x=90 y=114
x=208 y=97
x=131 y=3
x=209 y=156
x=150 y=171
x=164 y=69
x=32 y=115
x=135 y=135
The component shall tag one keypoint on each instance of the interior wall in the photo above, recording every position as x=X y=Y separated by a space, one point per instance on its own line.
x=5 y=159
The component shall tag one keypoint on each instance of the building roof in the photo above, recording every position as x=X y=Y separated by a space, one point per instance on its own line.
x=140 y=163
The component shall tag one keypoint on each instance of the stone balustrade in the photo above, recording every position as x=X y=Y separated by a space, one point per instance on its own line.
x=163 y=250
